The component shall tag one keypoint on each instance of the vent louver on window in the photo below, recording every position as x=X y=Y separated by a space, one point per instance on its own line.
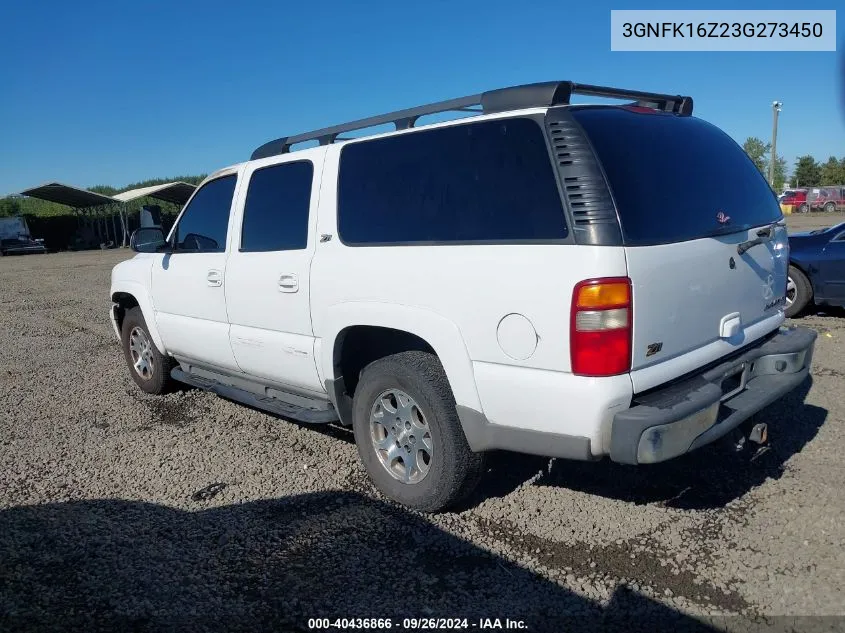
x=584 y=186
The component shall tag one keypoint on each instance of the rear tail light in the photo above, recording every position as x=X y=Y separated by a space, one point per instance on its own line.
x=600 y=327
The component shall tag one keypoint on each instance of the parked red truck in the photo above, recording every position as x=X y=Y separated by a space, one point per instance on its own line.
x=794 y=201
x=827 y=199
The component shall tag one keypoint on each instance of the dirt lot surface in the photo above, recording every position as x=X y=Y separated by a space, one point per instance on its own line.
x=101 y=526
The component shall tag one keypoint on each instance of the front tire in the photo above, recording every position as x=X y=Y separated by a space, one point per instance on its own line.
x=799 y=292
x=149 y=368
x=803 y=207
x=408 y=433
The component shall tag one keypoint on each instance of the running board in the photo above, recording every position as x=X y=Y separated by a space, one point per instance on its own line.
x=318 y=414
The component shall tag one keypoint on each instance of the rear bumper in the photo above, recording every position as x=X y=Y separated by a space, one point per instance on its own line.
x=669 y=422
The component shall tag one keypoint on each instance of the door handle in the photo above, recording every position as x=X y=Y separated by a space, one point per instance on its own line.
x=214 y=278
x=730 y=325
x=288 y=282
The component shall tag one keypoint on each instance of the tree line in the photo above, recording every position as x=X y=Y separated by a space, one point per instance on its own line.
x=807 y=172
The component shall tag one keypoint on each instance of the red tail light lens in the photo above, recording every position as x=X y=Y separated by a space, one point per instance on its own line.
x=600 y=327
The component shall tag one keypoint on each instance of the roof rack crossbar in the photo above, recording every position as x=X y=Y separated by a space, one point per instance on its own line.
x=545 y=94
x=678 y=104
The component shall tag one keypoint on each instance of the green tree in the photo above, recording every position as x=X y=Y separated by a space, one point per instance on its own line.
x=758 y=151
x=780 y=173
x=807 y=172
x=831 y=172
x=9 y=207
x=104 y=189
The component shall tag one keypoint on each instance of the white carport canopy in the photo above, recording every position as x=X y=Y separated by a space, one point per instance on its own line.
x=86 y=202
x=78 y=198
x=175 y=192
x=68 y=195
x=96 y=211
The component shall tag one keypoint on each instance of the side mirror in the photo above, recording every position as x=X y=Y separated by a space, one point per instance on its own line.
x=148 y=239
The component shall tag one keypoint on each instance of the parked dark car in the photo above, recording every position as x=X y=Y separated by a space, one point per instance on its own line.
x=816 y=269
x=21 y=246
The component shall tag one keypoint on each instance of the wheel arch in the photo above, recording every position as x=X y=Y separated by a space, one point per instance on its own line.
x=126 y=295
x=806 y=269
x=395 y=328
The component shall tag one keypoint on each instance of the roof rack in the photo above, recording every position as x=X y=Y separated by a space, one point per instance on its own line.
x=546 y=94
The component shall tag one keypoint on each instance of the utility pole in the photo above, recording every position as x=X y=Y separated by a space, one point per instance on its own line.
x=776 y=108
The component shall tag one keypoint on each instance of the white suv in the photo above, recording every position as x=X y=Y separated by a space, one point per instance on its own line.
x=563 y=280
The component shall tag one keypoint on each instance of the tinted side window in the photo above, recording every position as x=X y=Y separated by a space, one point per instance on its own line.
x=488 y=181
x=276 y=210
x=205 y=223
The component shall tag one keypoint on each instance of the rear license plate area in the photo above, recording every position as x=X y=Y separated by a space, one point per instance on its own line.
x=734 y=381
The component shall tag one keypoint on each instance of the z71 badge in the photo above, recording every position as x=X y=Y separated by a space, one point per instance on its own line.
x=775 y=303
x=653 y=348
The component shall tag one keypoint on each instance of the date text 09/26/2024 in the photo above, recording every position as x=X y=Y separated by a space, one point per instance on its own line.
x=416 y=624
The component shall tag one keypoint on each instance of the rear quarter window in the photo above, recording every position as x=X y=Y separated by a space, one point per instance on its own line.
x=672 y=176
x=490 y=181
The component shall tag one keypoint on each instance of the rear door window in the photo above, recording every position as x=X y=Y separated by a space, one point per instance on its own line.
x=676 y=178
x=276 y=209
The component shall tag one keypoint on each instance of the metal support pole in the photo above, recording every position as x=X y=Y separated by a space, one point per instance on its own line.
x=122 y=211
x=776 y=108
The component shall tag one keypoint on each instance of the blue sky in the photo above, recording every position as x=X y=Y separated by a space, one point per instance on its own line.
x=110 y=93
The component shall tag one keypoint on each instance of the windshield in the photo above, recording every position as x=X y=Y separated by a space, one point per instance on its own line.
x=676 y=178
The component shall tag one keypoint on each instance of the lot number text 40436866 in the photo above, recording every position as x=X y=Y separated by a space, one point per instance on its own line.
x=416 y=624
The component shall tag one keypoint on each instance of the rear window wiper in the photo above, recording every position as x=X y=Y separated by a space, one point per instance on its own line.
x=763 y=235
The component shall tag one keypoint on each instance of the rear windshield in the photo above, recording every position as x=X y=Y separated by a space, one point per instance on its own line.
x=676 y=178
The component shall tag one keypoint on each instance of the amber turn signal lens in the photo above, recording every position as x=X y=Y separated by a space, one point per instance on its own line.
x=604 y=295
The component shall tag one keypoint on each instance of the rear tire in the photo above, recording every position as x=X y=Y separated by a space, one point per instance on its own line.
x=149 y=368
x=801 y=291
x=830 y=207
x=408 y=433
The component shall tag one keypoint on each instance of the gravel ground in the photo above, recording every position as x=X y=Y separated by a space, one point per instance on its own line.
x=102 y=526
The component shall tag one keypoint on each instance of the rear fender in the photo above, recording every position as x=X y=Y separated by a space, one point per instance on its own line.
x=440 y=333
